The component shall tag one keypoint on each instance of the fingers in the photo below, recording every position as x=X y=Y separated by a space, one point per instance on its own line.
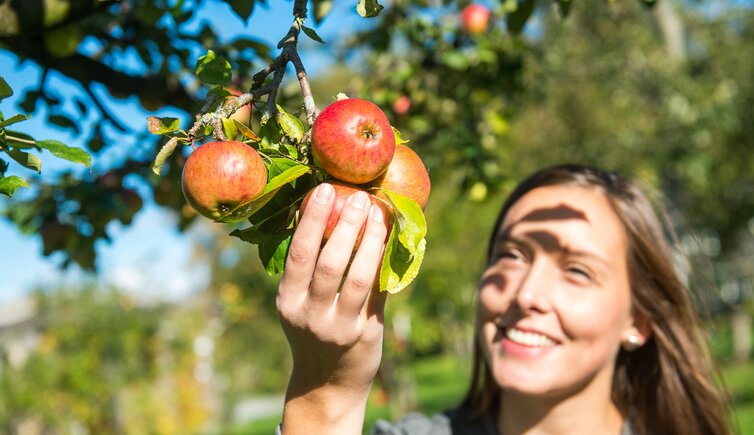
x=364 y=269
x=334 y=258
x=304 y=249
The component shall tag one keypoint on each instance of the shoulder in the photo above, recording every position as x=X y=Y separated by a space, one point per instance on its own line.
x=447 y=423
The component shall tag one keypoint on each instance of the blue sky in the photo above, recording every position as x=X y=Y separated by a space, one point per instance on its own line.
x=148 y=257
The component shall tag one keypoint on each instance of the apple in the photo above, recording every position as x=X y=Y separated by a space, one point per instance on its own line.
x=402 y=105
x=342 y=192
x=243 y=114
x=406 y=175
x=475 y=18
x=220 y=176
x=352 y=140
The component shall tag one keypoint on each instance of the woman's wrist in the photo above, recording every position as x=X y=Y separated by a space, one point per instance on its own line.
x=327 y=409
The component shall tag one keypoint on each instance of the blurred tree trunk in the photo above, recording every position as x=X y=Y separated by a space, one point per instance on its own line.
x=671 y=27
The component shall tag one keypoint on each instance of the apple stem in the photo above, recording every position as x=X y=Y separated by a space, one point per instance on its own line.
x=288 y=53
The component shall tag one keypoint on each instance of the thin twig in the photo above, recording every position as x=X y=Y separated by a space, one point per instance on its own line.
x=105 y=113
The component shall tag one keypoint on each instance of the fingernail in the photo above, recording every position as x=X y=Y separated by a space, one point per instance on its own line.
x=376 y=214
x=324 y=192
x=358 y=199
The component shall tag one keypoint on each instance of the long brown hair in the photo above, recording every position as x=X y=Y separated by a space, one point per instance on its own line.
x=670 y=384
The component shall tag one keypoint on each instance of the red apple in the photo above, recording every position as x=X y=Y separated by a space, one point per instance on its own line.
x=352 y=140
x=243 y=114
x=402 y=105
x=475 y=18
x=220 y=176
x=406 y=176
x=342 y=192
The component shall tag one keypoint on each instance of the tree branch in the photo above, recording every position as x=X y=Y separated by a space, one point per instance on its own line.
x=86 y=70
x=31 y=18
x=289 y=53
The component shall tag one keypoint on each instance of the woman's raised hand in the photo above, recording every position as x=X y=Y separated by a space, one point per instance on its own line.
x=335 y=336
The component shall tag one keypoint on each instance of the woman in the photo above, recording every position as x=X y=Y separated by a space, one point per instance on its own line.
x=583 y=325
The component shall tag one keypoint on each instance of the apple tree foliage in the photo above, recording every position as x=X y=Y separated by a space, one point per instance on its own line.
x=111 y=50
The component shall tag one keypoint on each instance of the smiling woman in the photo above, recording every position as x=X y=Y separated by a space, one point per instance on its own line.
x=583 y=324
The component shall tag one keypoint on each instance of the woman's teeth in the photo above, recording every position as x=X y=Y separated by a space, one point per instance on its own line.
x=528 y=338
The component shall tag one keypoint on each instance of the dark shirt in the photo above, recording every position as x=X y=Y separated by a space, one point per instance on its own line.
x=446 y=423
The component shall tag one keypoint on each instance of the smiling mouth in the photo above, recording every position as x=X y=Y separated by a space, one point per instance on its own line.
x=525 y=338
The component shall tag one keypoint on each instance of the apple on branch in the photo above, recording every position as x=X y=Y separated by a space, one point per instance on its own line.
x=475 y=19
x=406 y=175
x=352 y=140
x=220 y=176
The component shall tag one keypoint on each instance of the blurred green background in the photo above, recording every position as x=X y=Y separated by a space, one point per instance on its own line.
x=662 y=92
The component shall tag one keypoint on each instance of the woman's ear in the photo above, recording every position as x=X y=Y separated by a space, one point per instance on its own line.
x=637 y=334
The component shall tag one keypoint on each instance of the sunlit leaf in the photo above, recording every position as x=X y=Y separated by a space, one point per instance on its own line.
x=8 y=185
x=63 y=151
x=399 y=267
x=368 y=8
x=230 y=129
x=27 y=160
x=247 y=132
x=213 y=69
x=157 y=125
x=292 y=126
x=165 y=152
x=398 y=139
x=14 y=119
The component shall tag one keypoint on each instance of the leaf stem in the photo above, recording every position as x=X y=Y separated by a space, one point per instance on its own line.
x=21 y=140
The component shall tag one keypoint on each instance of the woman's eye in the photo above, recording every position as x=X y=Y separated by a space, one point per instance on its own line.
x=579 y=272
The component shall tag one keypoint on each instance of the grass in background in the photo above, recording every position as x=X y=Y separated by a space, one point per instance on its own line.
x=442 y=381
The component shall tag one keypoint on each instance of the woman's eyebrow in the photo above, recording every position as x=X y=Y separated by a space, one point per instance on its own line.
x=548 y=242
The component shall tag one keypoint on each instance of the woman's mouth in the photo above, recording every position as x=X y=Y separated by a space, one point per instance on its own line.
x=527 y=338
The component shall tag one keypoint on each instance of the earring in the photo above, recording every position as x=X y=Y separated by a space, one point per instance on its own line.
x=632 y=342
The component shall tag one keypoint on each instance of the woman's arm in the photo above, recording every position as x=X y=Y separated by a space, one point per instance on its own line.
x=335 y=337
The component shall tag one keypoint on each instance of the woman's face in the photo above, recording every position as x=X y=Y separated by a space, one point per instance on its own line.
x=555 y=301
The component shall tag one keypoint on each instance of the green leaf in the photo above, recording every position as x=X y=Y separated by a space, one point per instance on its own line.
x=272 y=248
x=410 y=220
x=242 y=8
x=8 y=185
x=405 y=248
x=213 y=69
x=165 y=152
x=368 y=8
x=517 y=19
x=27 y=160
x=399 y=267
x=292 y=126
x=275 y=183
x=312 y=34
x=5 y=89
x=321 y=9
x=398 y=139
x=14 y=119
x=157 y=125
x=231 y=131
x=247 y=132
x=63 y=151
